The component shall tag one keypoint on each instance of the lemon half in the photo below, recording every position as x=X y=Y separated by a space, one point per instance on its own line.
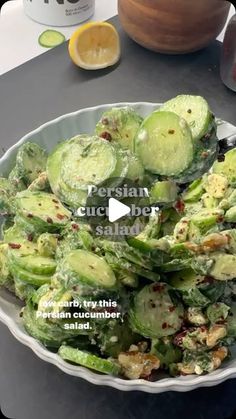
x=95 y=45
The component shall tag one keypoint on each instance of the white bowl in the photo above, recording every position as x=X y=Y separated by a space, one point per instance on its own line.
x=48 y=135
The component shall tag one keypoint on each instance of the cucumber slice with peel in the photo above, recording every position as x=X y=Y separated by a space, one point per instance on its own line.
x=54 y=166
x=194 y=191
x=135 y=170
x=227 y=167
x=84 y=161
x=81 y=266
x=119 y=125
x=195 y=111
x=41 y=209
x=88 y=360
x=205 y=153
x=81 y=163
x=164 y=144
x=29 y=277
x=51 y=38
x=154 y=313
x=37 y=264
x=30 y=161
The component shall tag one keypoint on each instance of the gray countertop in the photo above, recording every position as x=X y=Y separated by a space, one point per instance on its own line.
x=36 y=92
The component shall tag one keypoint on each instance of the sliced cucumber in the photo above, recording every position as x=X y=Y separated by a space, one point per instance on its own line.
x=69 y=181
x=74 y=198
x=43 y=210
x=164 y=144
x=119 y=125
x=21 y=248
x=224 y=268
x=25 y=225
x=84 y=267
x=28 y=277
x=6 y=193
x=185 y=280
x=54 y=166
x=119 y=264
x=4 y=270
x=51 y=334
x=37 y=264
x=194 y=192
x=23 y=290
x=16 y=179
x=154 y=314
x=51 y=38
x=122 y=166
x=176 y=265
x=227 y=167
x=135 y=168
x=14 y=234
x=195 y=111
x=88 y=162
x=165 y=191
x=88 y=360
x=205 y=153
x=30 y=161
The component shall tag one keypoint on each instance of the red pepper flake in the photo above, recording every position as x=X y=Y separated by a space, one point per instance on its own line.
x=60 y=216
x=203 y=328
x=75 y=226
x=153 y=305
x=171 y=131
x=30 y=237
x=14 y=245
x=158 y=287
x=220 y=219
x=57 y=206
x=208 y=279
x=179 y=206
x=106 y=136
x=49 y=220
x=29 y=215
x=164 y=325
x=171 y=309
x=55 y=201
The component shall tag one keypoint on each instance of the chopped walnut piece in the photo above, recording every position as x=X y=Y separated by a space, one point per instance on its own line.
x=137 y=364
x=220 y=353
x=215 y=333
x=215 y=241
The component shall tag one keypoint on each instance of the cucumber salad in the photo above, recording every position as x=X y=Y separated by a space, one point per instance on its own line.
x=162 y=300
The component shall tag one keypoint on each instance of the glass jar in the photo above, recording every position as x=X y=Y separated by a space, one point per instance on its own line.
x=59 y=12
x=228 y=56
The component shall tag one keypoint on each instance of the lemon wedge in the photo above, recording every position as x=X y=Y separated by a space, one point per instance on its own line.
x=95 y=45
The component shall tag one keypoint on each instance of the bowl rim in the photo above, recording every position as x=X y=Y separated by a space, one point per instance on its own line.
x=179 y=384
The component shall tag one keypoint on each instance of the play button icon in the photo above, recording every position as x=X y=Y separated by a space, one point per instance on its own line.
x=117 y=210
